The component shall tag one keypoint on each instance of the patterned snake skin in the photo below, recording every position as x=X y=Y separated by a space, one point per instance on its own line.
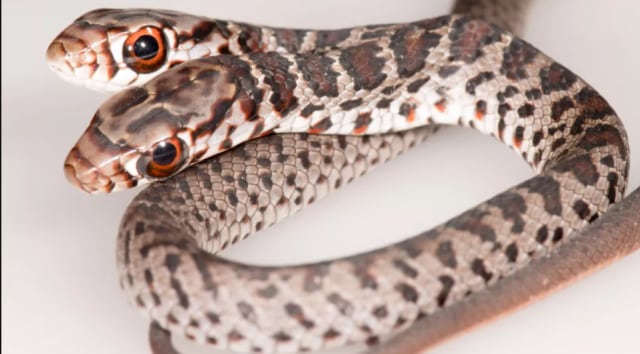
x=370 y=80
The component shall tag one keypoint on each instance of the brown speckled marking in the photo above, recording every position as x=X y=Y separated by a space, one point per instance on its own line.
x=408 y=110
x=583 y=168
x=362 y=63
x=405 y=268
x=384 y=103
x=556 y=78
x=481 y=109
x=558 y=235
x=331 y=334
x=582 y=209
x=249 y=39
x=133 y=97
x=468 y=37
x=515 y=58
x=513 y=206
x=594 y=106
x=511 y=252
x=470 y=221
x=202 y=31
x=411 y=46
x=351 y=104
x=289 y=39
x=601 y=135
x=478 y=80
x=417 y=84
x=542 y=234
x=526 y=110
x=362 y=123
x=549 y=189
x=560 y=107
x=447 y=283
x=446 y=254
x=308 y=110
x=218 y=111
x=331 y=38
x=537 y=137
x=612 y=179
x=269 y=292
x=316 y=69
x=320 y=126
x=275 y=68
x=518 y=136
x=448 y=70
x=295 y=311
x=408 y=292
x=478 y=268
x=343 y=305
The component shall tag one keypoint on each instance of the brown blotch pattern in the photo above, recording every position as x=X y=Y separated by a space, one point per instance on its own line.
x=330 y=39
x=549 y=189
x=363 y=64
x=469 y=37
x=411 y=45
x=515 y=59
x=471 y=221
x=276 y=70
x=317 y=72
x=556 y=78
x=446 y=254
x=289 y=39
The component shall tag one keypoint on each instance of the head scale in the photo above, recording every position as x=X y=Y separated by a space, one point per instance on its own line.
x=109 y=49
x=147 y=133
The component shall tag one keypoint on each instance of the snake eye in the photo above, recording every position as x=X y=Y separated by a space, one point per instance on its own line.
x=145 y=50
x=164 y=159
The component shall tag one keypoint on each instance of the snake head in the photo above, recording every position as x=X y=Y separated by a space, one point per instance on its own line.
x=149 y=133
x=109 y=49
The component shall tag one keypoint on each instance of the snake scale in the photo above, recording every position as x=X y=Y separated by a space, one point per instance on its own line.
x=340 y=103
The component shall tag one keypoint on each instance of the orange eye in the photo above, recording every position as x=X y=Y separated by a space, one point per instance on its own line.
x=145 y=50
x=164 y=159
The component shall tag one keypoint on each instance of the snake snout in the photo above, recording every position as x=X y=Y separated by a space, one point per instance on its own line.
x=56 y=55
x=96 y=165
x=82 y=58
x=81 y=173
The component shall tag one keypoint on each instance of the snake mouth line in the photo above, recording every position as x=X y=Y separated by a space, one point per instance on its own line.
x=90 y=178
x=82 y=174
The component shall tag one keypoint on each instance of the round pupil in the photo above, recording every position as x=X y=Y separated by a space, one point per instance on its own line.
x=164 y=153
x=146 y=47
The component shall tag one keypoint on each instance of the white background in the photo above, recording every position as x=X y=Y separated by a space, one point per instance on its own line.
x=60 y=292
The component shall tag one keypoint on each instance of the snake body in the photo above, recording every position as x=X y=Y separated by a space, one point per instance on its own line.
x=403 y=78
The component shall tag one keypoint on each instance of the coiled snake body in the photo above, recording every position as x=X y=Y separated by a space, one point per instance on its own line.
x=335 y=85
